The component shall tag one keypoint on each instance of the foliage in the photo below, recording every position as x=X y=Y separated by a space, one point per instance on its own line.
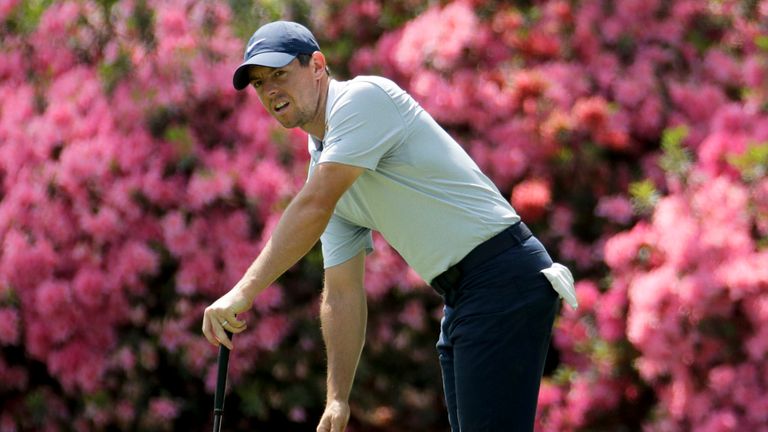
x=137 y=185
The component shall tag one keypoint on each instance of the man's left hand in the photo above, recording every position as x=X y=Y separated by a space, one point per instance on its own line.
x=335 y=417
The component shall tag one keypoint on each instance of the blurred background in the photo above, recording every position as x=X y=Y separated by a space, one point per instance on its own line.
x=137 y=186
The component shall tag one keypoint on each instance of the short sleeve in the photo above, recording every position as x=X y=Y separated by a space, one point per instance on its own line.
x=342 y=240
x=363 y=125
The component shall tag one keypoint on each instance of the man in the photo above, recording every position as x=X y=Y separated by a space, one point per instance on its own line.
x=380 y=162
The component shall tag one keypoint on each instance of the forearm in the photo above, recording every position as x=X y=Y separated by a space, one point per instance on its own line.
x=343 y=316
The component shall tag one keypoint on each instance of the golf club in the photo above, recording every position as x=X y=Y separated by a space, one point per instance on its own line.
x=221 y=386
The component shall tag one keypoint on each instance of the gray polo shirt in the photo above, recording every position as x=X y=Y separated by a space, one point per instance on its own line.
x=420 y=189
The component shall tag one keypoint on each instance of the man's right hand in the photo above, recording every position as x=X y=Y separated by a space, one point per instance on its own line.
x=221 y=316
x=335 y=417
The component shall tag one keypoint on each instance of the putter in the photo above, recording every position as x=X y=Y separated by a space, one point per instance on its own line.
x=221 y=386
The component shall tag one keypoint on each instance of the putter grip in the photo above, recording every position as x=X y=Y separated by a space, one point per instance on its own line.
x=221 y=385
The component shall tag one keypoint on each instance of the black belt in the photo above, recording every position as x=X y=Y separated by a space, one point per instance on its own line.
x=447 y=282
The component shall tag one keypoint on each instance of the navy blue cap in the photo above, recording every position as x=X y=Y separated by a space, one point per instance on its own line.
x=274 y=45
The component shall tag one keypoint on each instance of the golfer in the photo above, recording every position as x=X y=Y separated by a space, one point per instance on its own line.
x=380 y=162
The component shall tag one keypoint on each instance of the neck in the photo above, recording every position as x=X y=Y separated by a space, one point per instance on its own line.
x=316 y=127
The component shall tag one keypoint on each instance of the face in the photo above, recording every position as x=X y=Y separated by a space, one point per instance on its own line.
x=291 y=94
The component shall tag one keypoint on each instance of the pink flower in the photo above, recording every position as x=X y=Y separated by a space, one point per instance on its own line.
x=646 y=295
x=297 y=415
x=125 y=359
x=271 y=297
x=25 y=265
x=171 y=23
x=549 y=394
x=581 y=253
x=528 y=84
x=697 y=102
x=433 y=91
x=453 y=29
x=510 y=157
x=616 y=208
x=630 y=91
x=721 y=379
x=383 y=270
x=539 y=43
x=531 y=198
x=163 y=409
x=265 y=184
x=103 y=225
x=7 y=7
x=648 y=122
x=271 y=330
x=124 y=412
x=755 y=71
x=622 y=249
x=613 y=138
x=680 y=242
x=588 y=294
x=77 y=366
x=611 y=315
x=715 y=150
x=179 y=238
x=174 y=335
x=88 y=287
x=413 y=315
x=9 y=326
x=721 y=421
x=566 y=83
x=238 y=256
x=757 y=344
x=135 y=259
x=591 y=113
x=364 y=61
x=722 y=67
x=196 y=275
x=204 y=188
x=52 y=296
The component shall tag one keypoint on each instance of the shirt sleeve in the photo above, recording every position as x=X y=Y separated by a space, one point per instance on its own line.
x=342 y=240
x=363 y=126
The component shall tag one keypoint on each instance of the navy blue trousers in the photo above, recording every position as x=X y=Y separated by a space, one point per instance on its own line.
x=494 y=340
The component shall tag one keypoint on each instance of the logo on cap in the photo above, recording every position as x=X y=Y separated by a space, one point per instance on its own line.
x=253 y=44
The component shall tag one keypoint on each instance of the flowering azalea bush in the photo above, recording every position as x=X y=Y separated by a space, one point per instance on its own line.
x=137 y=186
x=586 y=114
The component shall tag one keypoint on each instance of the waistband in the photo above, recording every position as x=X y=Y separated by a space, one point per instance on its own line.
x=446 y=283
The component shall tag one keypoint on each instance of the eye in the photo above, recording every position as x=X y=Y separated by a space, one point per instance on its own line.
x=278 y=73
x=256 y=83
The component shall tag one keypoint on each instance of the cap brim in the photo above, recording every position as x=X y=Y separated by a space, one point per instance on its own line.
x=269 y=59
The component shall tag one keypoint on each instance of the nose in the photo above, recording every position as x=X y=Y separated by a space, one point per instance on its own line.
x=270 y=88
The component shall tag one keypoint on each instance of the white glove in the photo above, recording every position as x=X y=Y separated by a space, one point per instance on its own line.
x=561 y=280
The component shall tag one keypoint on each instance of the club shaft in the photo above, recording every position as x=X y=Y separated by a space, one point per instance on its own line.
x=221 y=386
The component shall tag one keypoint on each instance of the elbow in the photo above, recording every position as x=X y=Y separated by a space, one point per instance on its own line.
x=316 y=209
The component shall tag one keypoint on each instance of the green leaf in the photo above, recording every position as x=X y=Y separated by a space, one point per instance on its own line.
x=644 y=196
x=564 y=375
x=762 y=42
x=180 y=137
x=253 y=400
x=676 y=160
x=753 y=163
x=26 y=15
x=112 y=73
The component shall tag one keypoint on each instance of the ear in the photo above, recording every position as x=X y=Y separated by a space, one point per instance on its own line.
x=318 y=64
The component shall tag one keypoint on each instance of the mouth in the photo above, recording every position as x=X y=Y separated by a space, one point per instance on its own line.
x=280 y=107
